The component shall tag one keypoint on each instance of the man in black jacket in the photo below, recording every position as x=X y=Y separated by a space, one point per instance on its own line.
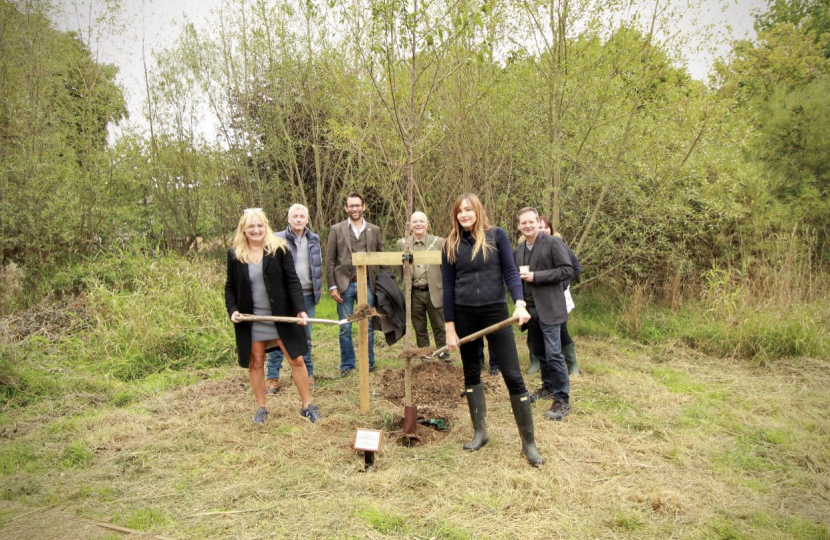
x=544 y=267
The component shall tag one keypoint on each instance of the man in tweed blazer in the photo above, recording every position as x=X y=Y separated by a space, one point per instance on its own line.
x=353 y=235
x=427 y=294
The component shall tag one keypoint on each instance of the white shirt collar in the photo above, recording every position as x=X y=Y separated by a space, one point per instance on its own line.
x=356 y=232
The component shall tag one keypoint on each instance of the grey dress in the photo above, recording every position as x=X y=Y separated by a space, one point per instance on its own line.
x=260 y=331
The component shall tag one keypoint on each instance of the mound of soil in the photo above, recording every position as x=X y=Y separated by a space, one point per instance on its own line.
x=437 y=391
x=436 y=388
x=363 y=311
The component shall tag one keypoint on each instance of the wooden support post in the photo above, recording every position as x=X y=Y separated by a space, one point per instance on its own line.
x=361 y=261
x=363 y=340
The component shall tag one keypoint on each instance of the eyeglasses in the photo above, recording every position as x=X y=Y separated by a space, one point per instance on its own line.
x=354 y=206
x=251 y=210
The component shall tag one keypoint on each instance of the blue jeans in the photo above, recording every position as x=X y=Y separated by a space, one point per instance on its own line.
x=344 y=309
x=547 y=346
x=274 y=364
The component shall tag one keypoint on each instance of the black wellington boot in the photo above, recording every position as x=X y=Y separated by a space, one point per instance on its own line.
x=524 y=421
x=478 y=413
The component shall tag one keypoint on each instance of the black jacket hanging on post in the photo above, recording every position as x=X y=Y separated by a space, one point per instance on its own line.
x=390 y=302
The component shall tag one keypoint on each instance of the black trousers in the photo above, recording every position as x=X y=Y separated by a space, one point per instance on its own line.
x=501 y=343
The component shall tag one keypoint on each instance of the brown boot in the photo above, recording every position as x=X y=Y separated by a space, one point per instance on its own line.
x=272 y=386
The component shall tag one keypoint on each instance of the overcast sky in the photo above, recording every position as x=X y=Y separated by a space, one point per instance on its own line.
x=157 y=23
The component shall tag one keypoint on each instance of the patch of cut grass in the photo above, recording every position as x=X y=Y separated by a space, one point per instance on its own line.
x=763 y=526
x=722 y=530
x=682 y=383
x=676 y=455
x=628 y=521
x=741 y=459
x=444 y=530
x=284 y=429
x=383 y=521
x=758 y=485
x=606 y=401
x=639 y=422
x=77 y=454
x=144 y=519
x=20 y=457
x=788 y=526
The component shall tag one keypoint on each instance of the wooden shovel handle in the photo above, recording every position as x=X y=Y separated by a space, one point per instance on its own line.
x=483 y=332
x=274 y=318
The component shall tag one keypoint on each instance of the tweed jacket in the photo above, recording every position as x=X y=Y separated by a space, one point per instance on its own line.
x=436 y=286
x=284 y=292
x=339 y=254
x=551 y=267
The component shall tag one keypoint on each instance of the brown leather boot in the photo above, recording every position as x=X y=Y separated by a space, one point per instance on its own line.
x=272 y=386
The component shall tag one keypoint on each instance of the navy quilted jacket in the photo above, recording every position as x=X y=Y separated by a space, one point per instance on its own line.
x=474 y=282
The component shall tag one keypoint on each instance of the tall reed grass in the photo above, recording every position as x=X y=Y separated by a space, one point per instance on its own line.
x=144 y=314
x=774 y=305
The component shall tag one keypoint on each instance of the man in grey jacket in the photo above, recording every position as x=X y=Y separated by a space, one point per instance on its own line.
x=544 y=267
x=305 y=249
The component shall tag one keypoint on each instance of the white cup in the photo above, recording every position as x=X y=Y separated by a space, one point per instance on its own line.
x=524 y=269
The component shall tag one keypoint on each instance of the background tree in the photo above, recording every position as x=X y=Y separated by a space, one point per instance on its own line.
x=57 y=103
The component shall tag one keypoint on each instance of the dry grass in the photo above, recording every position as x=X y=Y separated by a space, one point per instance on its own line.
x=661 y=443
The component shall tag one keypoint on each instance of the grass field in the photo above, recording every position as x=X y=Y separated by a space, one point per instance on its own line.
x=138 y=418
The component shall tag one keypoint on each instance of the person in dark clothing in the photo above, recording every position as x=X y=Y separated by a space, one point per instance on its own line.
x=544 y=266
x=476 y=264
x=262 y=280
x=567 y=341
x=494 y=364
x=568 y=348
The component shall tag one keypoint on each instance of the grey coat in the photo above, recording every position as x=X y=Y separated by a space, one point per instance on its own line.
x=551 y=267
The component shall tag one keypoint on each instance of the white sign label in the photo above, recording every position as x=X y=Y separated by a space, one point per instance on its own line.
x=368 y=439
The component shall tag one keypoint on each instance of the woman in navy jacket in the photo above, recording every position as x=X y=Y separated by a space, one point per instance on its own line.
x=261 y=280
x=476 y=264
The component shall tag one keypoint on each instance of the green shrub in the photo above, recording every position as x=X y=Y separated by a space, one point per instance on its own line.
x=760 y=333
x=144 y=315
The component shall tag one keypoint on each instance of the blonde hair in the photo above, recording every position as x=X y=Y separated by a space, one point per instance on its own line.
x=271 y=244
x=479 y=228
